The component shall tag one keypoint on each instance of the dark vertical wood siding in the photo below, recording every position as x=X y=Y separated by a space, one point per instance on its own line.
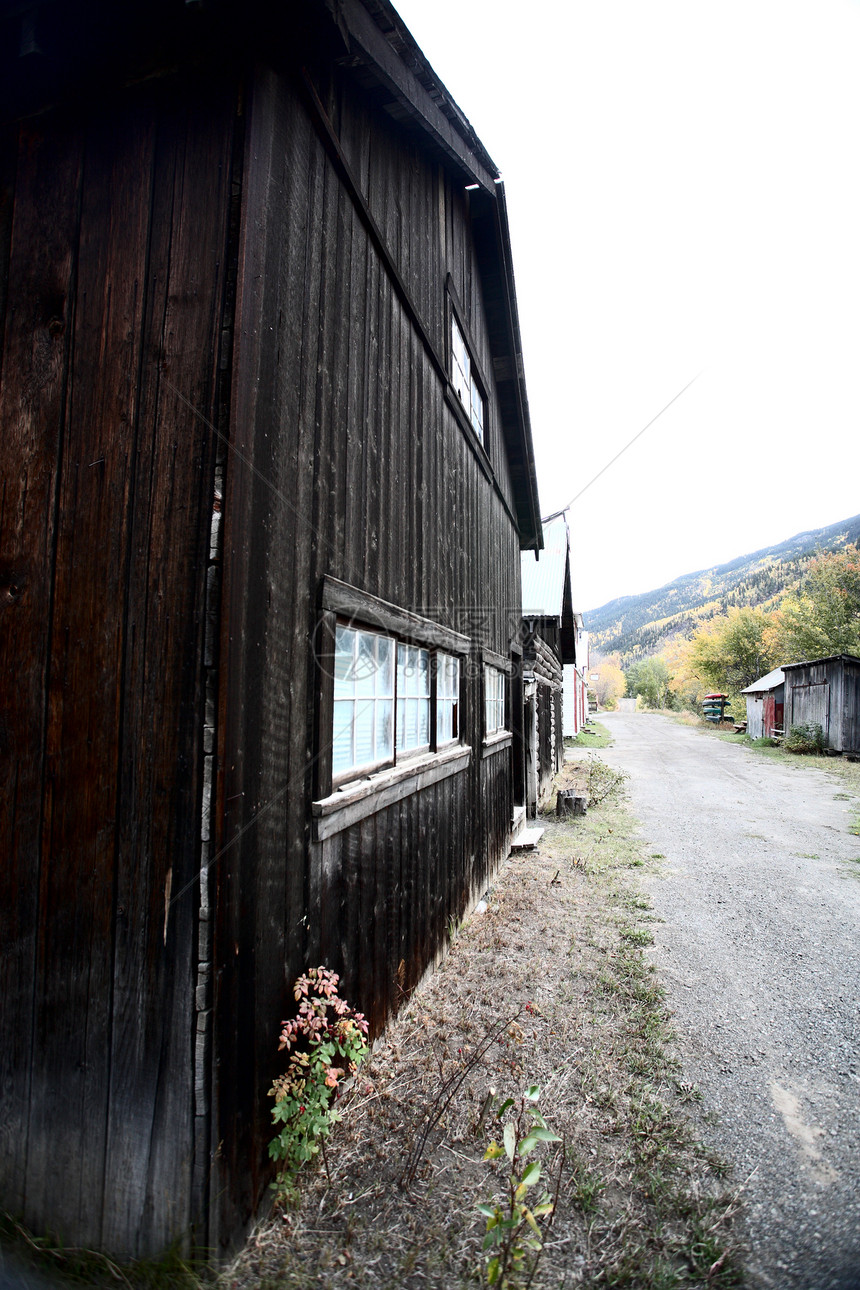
x=185 y=263
x=351 y=463
x=115 y=250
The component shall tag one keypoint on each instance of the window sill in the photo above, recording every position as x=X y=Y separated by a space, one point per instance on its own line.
x=496 y=742
x=356 y=801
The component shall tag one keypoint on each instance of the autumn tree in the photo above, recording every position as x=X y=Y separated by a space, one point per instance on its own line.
x=686 y=686
x=732 y=651
x=823 y=617
x=649 y=680
x=607 y=680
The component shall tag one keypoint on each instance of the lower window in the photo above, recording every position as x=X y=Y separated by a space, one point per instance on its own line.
x=391 y=698
x=494 y=700
x=363 y=733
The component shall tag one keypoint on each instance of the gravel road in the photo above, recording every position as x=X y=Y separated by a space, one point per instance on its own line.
x=759 y=950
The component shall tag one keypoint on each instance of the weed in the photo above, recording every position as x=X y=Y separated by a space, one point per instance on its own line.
x=512 y=1243
x=585 y=1187
x=602 y=780
x=637 y=936
x=445 y=1096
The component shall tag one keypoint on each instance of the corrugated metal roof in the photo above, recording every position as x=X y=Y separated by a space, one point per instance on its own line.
x=831 y=658
x=769 y=682
x=543 y=579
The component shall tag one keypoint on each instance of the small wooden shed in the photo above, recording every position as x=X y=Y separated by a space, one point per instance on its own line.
x=826 y=693
x=765 y=704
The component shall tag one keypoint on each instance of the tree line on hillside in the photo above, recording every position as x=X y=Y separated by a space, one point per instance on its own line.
x=638 y=627
x=735 y=648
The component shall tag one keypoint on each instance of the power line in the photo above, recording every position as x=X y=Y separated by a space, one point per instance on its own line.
x=546 y=519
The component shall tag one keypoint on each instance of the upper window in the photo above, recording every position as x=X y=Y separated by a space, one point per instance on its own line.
x=463 y=378
x=494 y=700
x=390 y=697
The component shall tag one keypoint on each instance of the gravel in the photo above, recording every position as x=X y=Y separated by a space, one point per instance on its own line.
x=759 y=951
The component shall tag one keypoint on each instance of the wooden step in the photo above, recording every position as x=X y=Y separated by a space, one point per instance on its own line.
x=527 y=840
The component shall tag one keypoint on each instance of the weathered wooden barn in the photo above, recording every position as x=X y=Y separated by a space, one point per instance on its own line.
x=266 y=476
x=826 y=693
x=549 y=643
x=765 y=700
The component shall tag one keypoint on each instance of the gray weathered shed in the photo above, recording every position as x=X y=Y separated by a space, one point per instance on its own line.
x=826 y=693
x=765 y=704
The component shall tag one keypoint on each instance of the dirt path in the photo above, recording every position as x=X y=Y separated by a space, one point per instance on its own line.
x=760 y=953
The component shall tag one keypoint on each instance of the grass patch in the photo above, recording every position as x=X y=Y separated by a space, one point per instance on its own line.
x=597 y=735
x=555 y=973
x=68 y=1266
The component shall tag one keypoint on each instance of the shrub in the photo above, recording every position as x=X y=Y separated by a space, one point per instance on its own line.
x=806 y=738
x=326 y=1042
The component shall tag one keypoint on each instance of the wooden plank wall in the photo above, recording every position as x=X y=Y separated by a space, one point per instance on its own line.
x=851 y=707
x=114 y=249
x=350 y=463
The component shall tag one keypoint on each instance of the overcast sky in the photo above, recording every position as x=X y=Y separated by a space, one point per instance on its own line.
x=683 y=184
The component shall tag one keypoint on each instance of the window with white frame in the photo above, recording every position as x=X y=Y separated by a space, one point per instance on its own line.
x=463 y=379
x=391 y=698
x=413 y=698
x=494 y=700
x=363 y=726
x=447 y=698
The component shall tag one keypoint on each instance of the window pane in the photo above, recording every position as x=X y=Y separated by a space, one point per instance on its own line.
x=385 y=676
x=444 y=715
x=384 y=730
x=494 y=700
x=344 y=643
x=363 y=727
x=477 y=411
x=342 y=737
x=365 y=667
x=447 y=676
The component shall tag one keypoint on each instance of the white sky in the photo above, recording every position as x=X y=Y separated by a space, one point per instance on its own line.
x=683 y=185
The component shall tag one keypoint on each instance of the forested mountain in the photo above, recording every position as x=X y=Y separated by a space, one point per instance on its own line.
x=638 y=626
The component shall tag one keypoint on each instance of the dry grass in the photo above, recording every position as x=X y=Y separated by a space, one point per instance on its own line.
x=554 y=978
